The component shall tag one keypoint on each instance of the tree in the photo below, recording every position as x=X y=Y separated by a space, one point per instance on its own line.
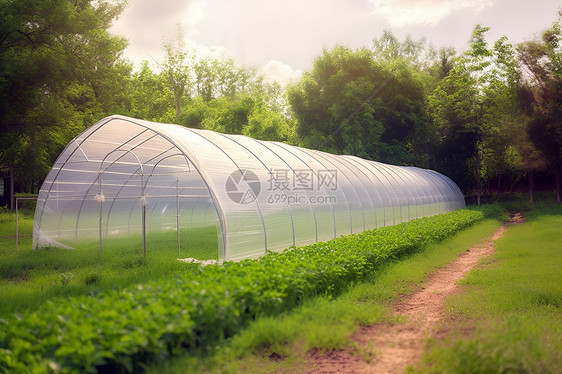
x=351 y=103
x=216 y=93
x=442 y=61
x=389 y=48
x=431 y=63
x=150 y=98
x=222 y=77
x=59 y=70
x=265 y=124
x=499 y=112
x=472 y=108
x=177 y=67
x=529 y=157
x=452 y=106
x=334 y=104
x=205 y=78
x=541 y=60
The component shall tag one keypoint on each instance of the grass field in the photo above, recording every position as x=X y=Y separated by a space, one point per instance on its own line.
x=28 y=278
x=200 y=308
x=512 y=306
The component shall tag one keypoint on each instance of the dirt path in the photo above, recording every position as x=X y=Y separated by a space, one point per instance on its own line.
x=393 y=347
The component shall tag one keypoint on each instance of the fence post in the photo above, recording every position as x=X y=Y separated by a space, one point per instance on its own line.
x=17 y=227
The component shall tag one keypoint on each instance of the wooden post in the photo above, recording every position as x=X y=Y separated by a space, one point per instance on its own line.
x=17 y=227
x=12 y=188
x=531 y=185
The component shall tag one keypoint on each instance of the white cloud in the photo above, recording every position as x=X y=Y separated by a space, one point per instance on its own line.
x=263 y=33
x=400 y=13
x=277 y=71
x=148 y=23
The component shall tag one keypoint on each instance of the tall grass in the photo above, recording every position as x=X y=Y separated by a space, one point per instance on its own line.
x=8 y=231
x=29 y=277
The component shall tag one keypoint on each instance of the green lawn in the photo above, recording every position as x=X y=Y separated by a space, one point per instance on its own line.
x=513 y=304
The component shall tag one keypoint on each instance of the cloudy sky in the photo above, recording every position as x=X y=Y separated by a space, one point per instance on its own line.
x=282 y=38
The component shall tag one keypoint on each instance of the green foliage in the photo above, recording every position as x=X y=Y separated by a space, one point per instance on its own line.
x=65 y=278
x=176 y=70
x=472 y=108
x=210 y=93
x=492 y=211
x=351 y=103
x=397 y=101
x=60 y=70
x=517 y=202
x=328 y=322
x=542 y=58
x=265 y=124
x=150 y=99
x=245 y=115
x=195 y=308
x=389 y=48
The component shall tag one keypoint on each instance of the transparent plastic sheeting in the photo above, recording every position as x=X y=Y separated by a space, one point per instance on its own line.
x=123 y=176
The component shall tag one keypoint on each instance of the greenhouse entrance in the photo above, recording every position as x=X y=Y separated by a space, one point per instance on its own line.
x=143 y=193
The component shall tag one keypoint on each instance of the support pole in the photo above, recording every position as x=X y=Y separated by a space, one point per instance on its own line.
x=101 y=209
x=178 y=213
x=143 y=229
x=12 y=188
x=143 y=202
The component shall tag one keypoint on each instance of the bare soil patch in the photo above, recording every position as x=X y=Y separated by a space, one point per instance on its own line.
x=392 y=347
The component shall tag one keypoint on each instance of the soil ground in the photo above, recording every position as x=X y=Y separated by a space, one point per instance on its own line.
x=392 y=347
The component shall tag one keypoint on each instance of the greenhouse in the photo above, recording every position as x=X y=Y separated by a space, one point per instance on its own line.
x=129 y=179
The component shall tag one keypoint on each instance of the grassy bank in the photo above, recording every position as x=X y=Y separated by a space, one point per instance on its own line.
x=281 y=343
x=512 y=306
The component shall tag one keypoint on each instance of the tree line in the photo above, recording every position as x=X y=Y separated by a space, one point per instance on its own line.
x=487 y=117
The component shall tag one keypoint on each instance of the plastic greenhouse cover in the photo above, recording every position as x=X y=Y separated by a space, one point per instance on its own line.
x=128 y=178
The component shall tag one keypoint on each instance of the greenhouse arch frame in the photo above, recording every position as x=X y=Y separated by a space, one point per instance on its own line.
x=124 y=177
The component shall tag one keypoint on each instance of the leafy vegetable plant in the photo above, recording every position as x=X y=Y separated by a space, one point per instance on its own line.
x=121 y=330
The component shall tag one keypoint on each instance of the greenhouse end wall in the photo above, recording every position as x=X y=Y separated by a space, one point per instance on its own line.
x=127 y=178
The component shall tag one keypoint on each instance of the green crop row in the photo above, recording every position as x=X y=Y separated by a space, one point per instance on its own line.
x=122 y=330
